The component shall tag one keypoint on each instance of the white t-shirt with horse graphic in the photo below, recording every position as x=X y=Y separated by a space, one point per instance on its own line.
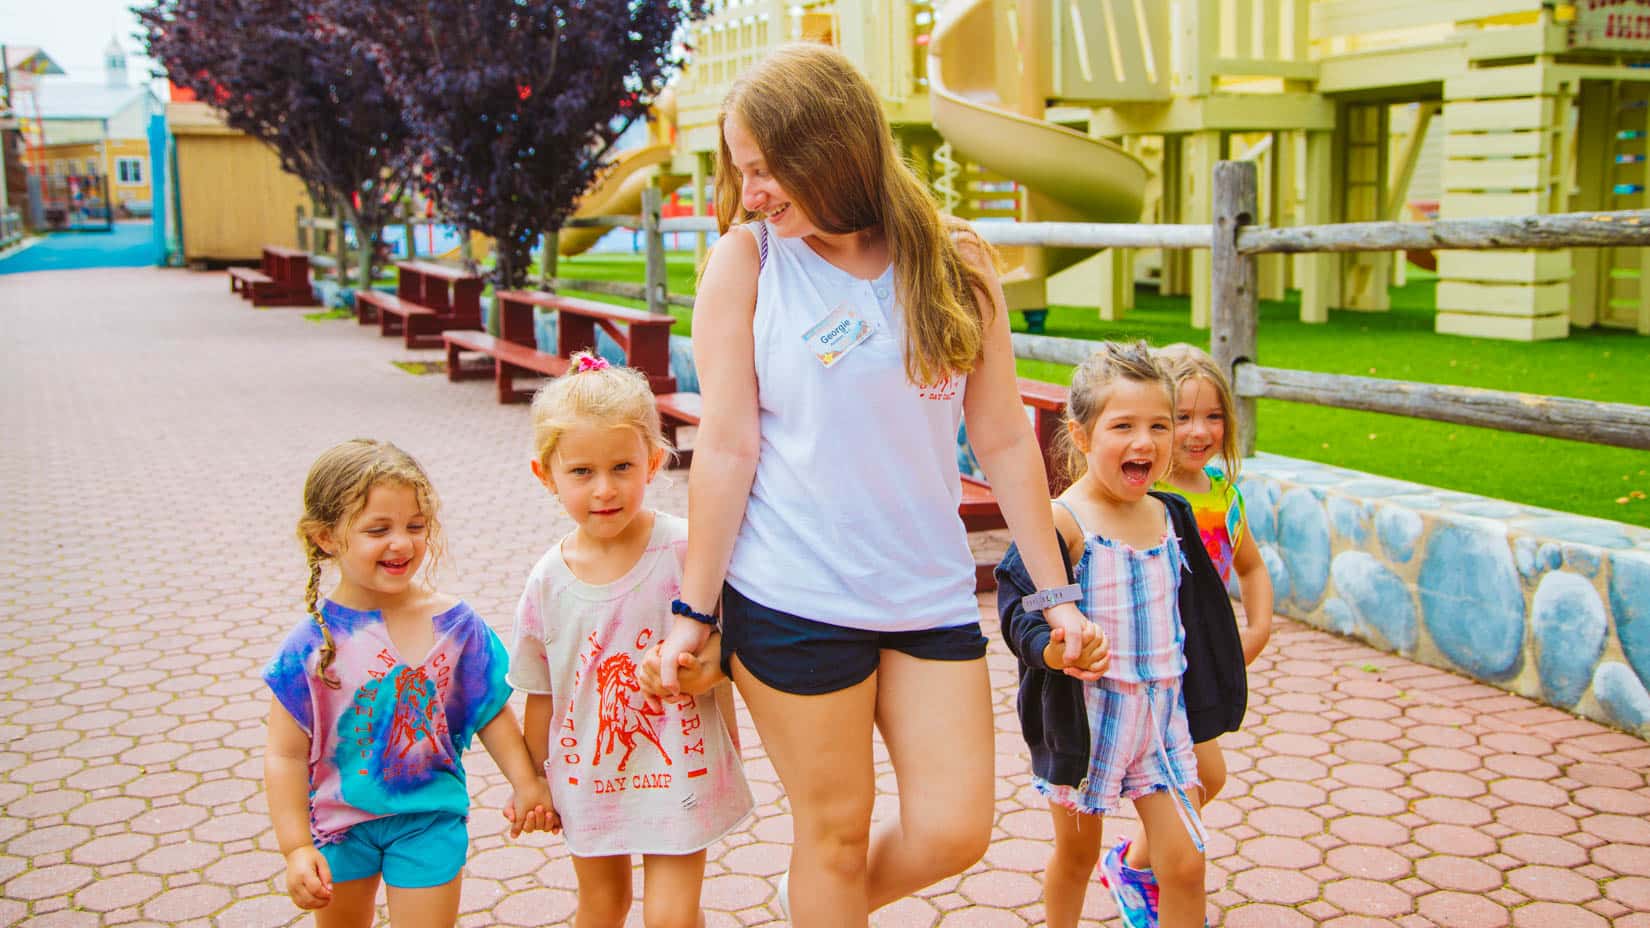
x=626 y=778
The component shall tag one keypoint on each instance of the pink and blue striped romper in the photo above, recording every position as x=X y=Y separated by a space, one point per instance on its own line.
x=1137 y=714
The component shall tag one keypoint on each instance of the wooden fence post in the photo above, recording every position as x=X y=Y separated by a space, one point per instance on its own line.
x=303 y=230
x=1234 y=309
x=657 y=291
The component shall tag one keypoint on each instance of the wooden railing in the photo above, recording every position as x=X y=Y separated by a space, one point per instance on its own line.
x=1235 y=243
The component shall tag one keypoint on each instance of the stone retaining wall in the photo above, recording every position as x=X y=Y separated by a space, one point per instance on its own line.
x=1548 y=605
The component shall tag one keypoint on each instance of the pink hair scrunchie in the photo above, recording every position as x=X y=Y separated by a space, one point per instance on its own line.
x=589 y=362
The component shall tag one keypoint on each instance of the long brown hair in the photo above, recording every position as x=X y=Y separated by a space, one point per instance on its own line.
x=337 y=487
x=825 y=139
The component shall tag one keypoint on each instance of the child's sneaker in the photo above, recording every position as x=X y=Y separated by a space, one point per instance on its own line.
x=1134 y=891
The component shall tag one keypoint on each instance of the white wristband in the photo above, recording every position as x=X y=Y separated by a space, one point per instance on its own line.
x=1042 y=599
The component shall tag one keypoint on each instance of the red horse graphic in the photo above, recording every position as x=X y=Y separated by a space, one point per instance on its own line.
x=414 y=704
x=623 y=714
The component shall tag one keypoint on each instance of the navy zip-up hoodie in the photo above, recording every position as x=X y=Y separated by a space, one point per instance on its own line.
x=1053 y=717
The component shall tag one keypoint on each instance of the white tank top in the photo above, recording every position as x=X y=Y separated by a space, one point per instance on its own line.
x=852 y=517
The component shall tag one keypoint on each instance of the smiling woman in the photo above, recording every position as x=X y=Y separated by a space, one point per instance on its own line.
x=842 y=332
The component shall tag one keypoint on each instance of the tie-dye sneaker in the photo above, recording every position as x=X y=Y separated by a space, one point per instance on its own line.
x=1134 y=891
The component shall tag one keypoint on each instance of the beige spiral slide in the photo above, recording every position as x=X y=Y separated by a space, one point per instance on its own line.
x=1067 y=176
x=618 y=192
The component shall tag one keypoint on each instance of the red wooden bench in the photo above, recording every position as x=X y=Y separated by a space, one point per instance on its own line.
x=978 y=507
x=289 y=267
x=644 y=338
x=282 y=279
x=429 y=299
x=253 y=285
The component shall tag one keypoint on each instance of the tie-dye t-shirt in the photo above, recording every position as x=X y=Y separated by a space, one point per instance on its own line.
x=1220 y=516
x=626 y=778
x=391 y=738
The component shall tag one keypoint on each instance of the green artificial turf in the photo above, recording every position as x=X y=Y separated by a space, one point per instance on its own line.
x=1596 y=364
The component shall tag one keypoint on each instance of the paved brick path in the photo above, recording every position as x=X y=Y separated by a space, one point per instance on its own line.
x=153 y=435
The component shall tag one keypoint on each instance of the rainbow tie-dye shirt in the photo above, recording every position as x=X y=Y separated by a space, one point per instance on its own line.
x=1220 y=516
x=391 y=738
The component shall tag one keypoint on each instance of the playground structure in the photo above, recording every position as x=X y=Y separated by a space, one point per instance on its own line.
x=1541 y=106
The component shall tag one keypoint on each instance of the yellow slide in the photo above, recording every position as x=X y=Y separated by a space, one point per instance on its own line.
x=1067 y=176
x=617 y=192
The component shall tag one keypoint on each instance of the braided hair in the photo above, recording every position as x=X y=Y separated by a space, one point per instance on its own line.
x=337 y=487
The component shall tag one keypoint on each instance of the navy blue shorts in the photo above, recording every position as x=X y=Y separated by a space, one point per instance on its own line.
x=806 y=658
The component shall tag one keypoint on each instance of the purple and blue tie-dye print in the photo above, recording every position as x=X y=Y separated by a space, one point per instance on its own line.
x=391 y=738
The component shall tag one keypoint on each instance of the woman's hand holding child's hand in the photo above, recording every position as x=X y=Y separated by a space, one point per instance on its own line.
x=659 y=674
x=308 y=878
x=531 y=809
x=1093 y=652
x=696 y=673
x=1076 y=646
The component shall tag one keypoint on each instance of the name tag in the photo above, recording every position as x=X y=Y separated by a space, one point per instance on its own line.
x=841 y=331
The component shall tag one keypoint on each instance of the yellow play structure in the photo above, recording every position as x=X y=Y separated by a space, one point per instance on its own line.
x=1117 y=110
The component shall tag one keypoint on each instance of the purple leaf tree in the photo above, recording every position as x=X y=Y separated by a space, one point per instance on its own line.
x=282 y=74
x=515 y=104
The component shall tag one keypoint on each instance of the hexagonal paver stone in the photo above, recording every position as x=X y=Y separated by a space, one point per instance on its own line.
x=48 y=882
x=182 y=904
x=1553 y=884
x=536 y=907
x=118 y=892
x=1368 y=897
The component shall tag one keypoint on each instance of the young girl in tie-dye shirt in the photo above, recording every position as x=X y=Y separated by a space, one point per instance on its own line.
x=629 y=775
x=376 y=695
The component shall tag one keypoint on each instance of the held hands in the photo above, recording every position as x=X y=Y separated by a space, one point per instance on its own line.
x=531 y=809
x=696 y=674
x=1076 y=645
x=660 y=674
x=308 y=878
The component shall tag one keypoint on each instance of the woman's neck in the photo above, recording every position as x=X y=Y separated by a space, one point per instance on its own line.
x=863 y=253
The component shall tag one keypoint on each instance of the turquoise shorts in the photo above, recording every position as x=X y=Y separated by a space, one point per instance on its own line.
x=413 y=850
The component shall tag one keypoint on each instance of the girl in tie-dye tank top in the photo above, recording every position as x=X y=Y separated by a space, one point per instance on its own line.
x=377 y=693
x=1205 y=425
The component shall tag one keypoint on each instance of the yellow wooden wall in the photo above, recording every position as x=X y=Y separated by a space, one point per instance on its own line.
x=235 y=197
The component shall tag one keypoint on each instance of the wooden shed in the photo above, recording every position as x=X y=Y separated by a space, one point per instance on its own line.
x=234 y=196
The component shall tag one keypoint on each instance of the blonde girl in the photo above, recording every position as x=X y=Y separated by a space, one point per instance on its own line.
x=376 y=694
x=1159 y=601
x=1205 y=425
x=628 y=776
x=842 y=332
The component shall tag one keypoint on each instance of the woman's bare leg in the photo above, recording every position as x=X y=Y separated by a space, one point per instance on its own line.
x=935 y=718
x=821 y=748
